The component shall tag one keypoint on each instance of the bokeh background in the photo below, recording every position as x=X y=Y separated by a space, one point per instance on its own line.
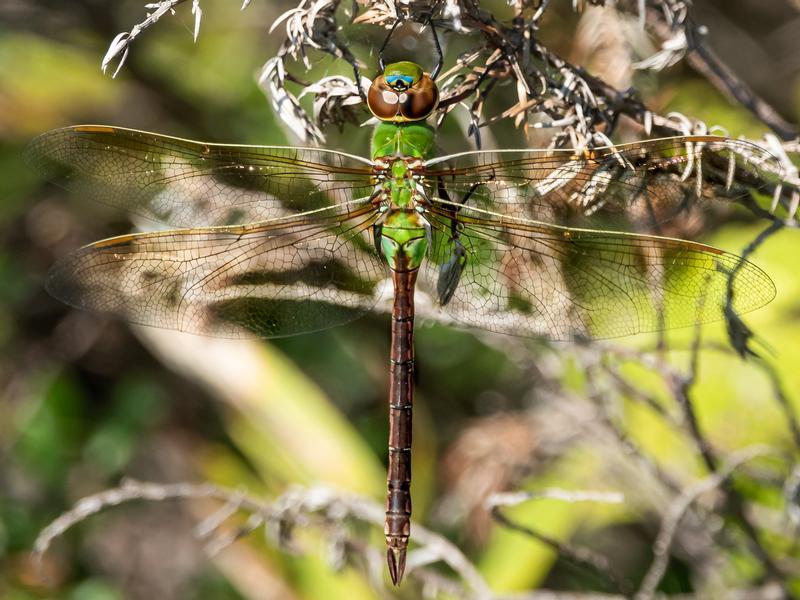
x=86 y=401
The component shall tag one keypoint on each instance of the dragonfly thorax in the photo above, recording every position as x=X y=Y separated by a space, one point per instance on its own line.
x=402 y=233
x=403 y=140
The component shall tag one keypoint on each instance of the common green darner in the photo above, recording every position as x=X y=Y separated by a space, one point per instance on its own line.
x=277 y=241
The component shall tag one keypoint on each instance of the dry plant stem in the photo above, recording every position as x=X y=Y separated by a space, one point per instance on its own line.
x=738 y=333
x=623 y=388
x=632 y=391
x=572 y=496
x=136 y=490
x=439 y=584
x=734 y=504
x=585 y=107
x=330 y=509
x=709 y=65
x=681 y=386
x=120 y=46
x=700 y=536
x=782 y=399
x=581 y=557
x=706 y=63
x=633 y=451
x=676 y=512
x=767 y=592
x=697 y=517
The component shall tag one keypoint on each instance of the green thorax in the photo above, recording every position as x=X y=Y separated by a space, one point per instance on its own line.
x=403 y=139
x=403 y=239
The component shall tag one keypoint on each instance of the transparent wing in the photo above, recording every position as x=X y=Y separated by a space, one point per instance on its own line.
x=636 y=186
x=531 y=278
x=194 y=184
x=267 y=280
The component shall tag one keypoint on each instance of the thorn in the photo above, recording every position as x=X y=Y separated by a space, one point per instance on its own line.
x=396 y=557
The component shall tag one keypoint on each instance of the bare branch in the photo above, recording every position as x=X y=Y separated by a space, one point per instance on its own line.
x=676 y=512
x=683 y=38
x=582 y=557
x=298 y=507
x=571 y=496
x=120 y=46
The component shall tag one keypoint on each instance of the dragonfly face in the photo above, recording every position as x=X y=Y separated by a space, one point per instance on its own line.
x=403 y=93
x=272 y=241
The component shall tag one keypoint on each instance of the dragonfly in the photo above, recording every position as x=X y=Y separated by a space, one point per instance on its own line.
x=271 y=241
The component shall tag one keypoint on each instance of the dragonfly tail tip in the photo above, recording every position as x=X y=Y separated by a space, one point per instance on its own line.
x=396 y=557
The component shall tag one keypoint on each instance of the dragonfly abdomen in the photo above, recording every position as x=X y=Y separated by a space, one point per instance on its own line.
x=397 y=527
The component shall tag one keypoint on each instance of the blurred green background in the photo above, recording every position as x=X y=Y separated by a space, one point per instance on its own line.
x=85 y=401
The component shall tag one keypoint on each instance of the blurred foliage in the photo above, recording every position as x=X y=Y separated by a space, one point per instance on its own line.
x=85 y=401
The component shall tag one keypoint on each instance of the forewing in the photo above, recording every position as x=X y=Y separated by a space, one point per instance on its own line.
x=537 y=279
x=194 y=184
x=266 y=280
x=639 y=186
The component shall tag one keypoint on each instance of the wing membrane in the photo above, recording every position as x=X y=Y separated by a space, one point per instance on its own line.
x=265 y=280
x=643 y=184
x=529 y=278
x=194 y=184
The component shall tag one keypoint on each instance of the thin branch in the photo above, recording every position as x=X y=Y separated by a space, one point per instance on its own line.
x=570 y=496
x=782 y=399
x=677 y=510
x=681 y=386
x=291 y=510
x=707 y=63
x=120 y=46
x=582 y=557
x=734 y=502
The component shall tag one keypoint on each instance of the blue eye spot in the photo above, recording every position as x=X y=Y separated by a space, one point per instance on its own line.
x=408 y=80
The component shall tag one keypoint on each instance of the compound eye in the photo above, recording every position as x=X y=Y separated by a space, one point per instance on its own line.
x=421 y=100
x=382 y=100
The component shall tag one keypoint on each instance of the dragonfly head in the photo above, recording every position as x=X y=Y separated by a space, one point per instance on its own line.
x=402 y=93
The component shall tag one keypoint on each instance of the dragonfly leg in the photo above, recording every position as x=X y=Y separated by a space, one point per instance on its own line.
x=357 y=75
x=439 y=54
x=450 y=272
x=381 y=61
